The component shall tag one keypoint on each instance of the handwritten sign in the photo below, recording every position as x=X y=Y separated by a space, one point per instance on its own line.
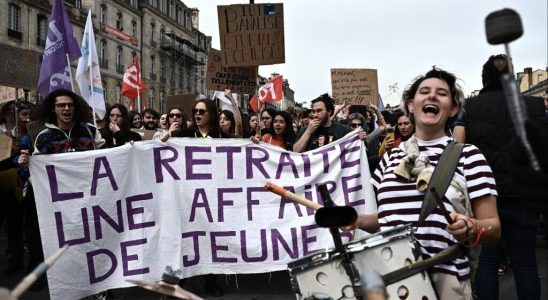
x=8 y=93
x=355 y=86
x=19 y=67
x=238 y=79
x=251 y=34
x=194 y=204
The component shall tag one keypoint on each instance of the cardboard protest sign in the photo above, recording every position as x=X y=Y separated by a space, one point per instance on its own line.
x=355 y=86
x=5 y=146
x=251 y=34
x=19 y=67
x=186 y=101
x=240 y=80
x=194 y=204
x=145 y=133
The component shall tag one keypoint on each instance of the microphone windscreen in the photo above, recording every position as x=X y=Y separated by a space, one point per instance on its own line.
x=503 y=26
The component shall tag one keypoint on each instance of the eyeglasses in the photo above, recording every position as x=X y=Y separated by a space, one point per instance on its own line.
x=64 y=105
x=354 y=125
x=175 y=115
x=198 y=111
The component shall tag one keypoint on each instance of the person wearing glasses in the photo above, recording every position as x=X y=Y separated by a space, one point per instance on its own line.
x=321 y=124
x=176 y=121
x=67 y=120
x=205 y=122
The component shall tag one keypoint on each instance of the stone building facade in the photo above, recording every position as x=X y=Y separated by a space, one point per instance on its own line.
x=172 y=52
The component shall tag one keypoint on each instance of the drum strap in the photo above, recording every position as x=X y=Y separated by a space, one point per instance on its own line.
x=441 y=178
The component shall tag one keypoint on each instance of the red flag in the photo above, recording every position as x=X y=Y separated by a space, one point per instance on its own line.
x=271 y=92
x=133 y=83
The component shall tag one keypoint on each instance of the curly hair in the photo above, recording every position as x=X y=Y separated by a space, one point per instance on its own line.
x=82 y=113
x=327 y=101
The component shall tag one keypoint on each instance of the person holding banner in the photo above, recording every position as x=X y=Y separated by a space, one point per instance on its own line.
x=433 y=101
x=205 y=122
x=67 y=129
x=118 y=132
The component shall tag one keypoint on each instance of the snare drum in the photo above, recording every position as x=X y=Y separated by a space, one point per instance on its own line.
x=386 y=251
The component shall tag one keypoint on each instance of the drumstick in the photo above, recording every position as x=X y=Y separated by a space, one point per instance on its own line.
x=36 y=273
x=291 y=196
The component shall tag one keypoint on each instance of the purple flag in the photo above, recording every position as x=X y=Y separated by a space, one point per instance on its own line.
x=54 y=73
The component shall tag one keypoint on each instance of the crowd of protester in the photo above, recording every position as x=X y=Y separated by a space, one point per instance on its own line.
x=431 y=110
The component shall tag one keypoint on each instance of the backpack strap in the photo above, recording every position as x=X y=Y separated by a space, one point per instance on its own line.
x=441 y=178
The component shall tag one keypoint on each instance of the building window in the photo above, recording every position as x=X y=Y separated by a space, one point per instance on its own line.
x=171 y=9
x=134 y=28
x=103 y=13
x=14 y=16
x=152 y=29
x=118 y=93
x=162 y=101
x=103 y=49
x=162 y=65
x=120 y=59
x=41 y=30
x=181 y=77
x=162 y=36
x=151 y=97
x=120 y=21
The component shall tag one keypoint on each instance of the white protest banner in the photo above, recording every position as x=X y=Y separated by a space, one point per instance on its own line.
x=194 y=204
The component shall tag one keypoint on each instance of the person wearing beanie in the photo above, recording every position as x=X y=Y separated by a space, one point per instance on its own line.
x=488 y=125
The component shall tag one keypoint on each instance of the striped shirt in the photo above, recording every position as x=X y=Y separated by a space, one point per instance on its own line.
x=400 y=202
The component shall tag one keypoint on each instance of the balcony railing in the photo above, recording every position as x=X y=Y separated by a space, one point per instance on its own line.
x=15 y=34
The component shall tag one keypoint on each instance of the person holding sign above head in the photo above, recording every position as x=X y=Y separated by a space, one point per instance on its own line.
x=469 y=214
x=320 y=124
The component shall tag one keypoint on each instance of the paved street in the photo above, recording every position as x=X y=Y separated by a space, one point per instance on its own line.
x=268 y=286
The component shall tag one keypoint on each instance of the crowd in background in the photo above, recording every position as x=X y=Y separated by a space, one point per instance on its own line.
x=62 y=123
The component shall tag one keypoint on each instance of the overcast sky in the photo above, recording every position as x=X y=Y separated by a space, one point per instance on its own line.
x=400 y=38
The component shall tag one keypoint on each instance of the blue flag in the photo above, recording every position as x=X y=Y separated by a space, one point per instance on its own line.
x=60 y=43
x=381 y=105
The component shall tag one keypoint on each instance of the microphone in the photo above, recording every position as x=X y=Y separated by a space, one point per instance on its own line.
x=503 y=26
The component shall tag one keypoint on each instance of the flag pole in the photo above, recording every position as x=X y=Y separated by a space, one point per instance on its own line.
x=92 y=98
x=70 y=73
x=138 y=90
